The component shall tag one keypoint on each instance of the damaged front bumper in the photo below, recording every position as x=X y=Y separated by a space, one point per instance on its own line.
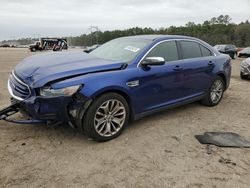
x=49 y=110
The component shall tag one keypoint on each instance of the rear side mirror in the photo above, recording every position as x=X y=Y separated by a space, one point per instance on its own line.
x=153 y=61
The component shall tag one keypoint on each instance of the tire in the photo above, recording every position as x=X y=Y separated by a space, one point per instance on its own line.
x=242 y=76
x=212 y=99
x=101 y=119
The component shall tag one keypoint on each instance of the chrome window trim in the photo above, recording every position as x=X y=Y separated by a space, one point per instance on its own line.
x=167 y=40
x=10 y=90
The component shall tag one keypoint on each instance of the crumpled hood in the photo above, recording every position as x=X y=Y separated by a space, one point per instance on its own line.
x=40 y=69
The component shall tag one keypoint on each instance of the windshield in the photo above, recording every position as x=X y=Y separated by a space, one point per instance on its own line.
x=122 y=49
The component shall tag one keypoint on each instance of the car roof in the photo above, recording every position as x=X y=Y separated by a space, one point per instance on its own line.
x=224 y=45
x=220 y=45
x=159 y=37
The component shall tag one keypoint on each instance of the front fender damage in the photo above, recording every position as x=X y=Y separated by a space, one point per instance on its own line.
x=77 y=110
x=49 y=110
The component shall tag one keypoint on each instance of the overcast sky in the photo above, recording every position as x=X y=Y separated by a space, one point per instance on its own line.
x=36 y=18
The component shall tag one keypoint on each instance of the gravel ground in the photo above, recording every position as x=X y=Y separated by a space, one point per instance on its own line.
x=157 y=151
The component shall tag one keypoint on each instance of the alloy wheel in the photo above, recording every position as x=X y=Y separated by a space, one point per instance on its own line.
x=216 y=91
x=110 y=118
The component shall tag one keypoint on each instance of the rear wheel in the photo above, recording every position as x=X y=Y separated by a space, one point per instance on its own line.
x=106 y=117
x=215 y=92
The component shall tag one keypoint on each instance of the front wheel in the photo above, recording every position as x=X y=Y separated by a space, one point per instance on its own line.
x=106 y=118
x=242 y=76
x=32 y=49
x=215 y=92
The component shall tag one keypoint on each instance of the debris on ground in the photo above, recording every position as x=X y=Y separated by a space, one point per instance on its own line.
x=226 y=161
x=209 y=149
x=223 y=139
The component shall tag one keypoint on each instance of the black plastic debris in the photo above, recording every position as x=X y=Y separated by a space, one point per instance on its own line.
x=223 y=139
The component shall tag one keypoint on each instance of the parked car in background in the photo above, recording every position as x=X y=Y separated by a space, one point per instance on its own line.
x=239 y=49
x=245 y=69
x=229 y=49
x=126 y=78
x=244 y=53
x=5 y=45
x=91 y=48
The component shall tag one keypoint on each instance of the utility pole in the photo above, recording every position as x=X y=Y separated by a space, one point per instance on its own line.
x=93 y=29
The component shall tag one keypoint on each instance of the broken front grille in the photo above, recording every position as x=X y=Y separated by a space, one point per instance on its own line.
x=18 y=89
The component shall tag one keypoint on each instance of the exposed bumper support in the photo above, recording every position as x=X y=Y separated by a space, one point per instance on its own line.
x=13 y=109
x=31 y=121
x=9 y=111
x=51 y=110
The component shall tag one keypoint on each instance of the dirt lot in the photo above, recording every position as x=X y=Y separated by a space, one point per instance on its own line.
x=158 y=151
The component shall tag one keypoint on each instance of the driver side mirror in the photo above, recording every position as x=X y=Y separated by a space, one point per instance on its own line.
x=153 y=61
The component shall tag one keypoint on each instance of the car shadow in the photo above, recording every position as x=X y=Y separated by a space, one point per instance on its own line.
x=63 y=132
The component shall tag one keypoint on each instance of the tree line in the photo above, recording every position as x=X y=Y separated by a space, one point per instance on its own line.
x=217 y=30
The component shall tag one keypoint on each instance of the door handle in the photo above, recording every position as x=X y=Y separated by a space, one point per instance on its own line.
x=177 y=68
x=210 y=63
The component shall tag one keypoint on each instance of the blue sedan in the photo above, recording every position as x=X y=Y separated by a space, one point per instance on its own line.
x=125 y=78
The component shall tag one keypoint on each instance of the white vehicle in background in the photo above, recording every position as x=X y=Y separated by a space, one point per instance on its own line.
x=245 y=69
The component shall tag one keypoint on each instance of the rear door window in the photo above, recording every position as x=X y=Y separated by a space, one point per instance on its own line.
x=190 y=49
x=167 y=50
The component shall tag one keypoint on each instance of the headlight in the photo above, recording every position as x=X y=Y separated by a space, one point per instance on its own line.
x=67 y=91
x=244 y=63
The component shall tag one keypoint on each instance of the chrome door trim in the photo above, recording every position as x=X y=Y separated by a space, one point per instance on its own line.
x=138 y=64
